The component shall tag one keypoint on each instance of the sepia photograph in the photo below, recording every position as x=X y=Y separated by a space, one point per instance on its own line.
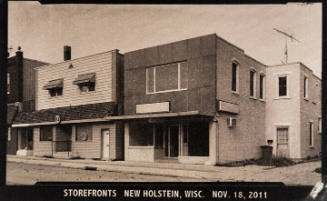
x=164 y=93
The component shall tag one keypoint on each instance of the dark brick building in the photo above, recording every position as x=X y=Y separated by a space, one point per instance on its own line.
x=20 y=93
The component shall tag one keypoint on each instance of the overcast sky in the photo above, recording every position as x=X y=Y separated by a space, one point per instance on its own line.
x=43 y=30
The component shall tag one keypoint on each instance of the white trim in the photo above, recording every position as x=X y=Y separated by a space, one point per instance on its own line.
x=306 y=87
x=263 y=86
x=254 y=96
x=287 y=85
x=62 y=122
x=237 y=75
x=319 y=130
x=311 y=134
x=154 y=79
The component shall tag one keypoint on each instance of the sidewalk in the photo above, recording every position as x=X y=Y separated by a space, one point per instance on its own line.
x=288 y=175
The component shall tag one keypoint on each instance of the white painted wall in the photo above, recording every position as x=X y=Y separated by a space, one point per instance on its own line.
x=101 y=64
x=284 y=111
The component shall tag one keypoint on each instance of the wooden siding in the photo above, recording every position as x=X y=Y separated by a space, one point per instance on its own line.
x=101 y=64
x=92 y=149
x=40 y=148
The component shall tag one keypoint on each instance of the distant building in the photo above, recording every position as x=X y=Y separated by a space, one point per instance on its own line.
x=20 y=96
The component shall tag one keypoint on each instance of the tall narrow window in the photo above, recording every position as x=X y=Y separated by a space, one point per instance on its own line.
x=252 y=84
x=8 y=83
x=235 y=77
x=262 y=82
x=319 y=125
x=305 y=87
x=282 y=82
x=311 y=138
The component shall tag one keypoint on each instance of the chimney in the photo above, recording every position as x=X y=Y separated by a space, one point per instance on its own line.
x=19 y=65
x=67 y=53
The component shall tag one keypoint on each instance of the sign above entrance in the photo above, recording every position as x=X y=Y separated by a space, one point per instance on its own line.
x=153 y=107
x=228 y=107
x=57 y=119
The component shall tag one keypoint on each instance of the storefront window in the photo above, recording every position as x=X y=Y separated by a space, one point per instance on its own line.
x=141 y=134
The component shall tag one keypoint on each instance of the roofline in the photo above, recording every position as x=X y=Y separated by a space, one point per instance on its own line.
x=35 y=60
x=157 y=115
x=72 y=60
x=17 y=125
x=296 y=62
x=170 y=43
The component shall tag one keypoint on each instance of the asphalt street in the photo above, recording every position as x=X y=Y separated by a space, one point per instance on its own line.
x=29 y=174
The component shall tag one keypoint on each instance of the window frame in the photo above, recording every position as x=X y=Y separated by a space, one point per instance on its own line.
x=9 y=134
x=8 y=83
x=41 y=134
x=236 y=91
x=305 y=87
x=253 y=83
x=319 y=125
x=88 y=139
x=179 y=88
x=262 y=86
x=311 y=134
x=278 y=86
x=56 y=92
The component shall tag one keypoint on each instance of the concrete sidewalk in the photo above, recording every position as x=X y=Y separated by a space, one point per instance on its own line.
x=288 y=175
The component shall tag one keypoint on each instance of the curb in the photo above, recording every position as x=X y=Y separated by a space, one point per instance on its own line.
x=121 y=169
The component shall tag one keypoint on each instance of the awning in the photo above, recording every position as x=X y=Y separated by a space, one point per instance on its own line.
x=53 y=84
x=159 y=115
x=85 y=78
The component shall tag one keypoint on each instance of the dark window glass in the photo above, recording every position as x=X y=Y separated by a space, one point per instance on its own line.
x=305 y=87
x=167 y=77
x=234 y=76
x=283 y=86
x=141 y=134
x=184 y=75
x=46 y=133
x=185 y=133
x=158 y=136
x=261 y=86
x=252 y=83
x=55 y=92
x=83 y=133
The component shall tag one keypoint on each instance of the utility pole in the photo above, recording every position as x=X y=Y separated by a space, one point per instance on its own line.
x=287 y=36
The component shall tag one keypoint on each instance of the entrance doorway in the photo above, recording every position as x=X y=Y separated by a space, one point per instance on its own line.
x=282 y=142
x=105 y=144
x=172 y=141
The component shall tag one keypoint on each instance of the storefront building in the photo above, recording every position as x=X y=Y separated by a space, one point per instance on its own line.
x=192 y=101
x=73 y=99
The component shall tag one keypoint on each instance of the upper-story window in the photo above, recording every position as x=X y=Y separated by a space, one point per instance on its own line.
x=235 y=76
x=85 y=82
x=8 y=83
x=55 y=87
x=262 y=87
x=252 y=83
x=305 y=87
x=166 y=78
x=319 y=125
x=282 y=85
x=311 y=136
